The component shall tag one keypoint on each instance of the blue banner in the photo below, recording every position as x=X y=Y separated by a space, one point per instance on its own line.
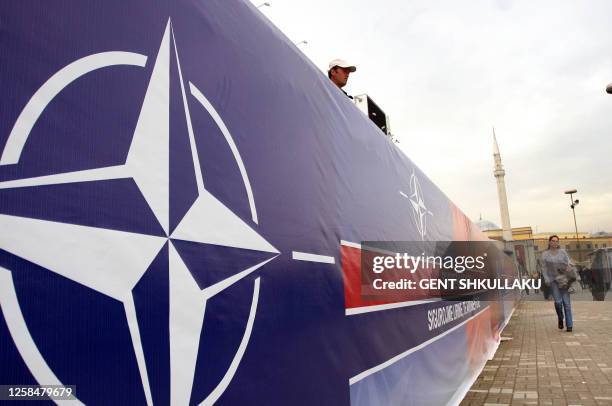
x=183 y=196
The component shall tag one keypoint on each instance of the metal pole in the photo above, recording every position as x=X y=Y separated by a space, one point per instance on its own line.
x=576 y=228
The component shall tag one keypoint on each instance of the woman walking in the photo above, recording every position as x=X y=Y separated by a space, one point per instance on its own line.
x=557 y=272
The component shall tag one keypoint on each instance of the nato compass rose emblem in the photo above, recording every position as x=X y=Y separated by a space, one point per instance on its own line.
x=111 y=261
x=419 y=210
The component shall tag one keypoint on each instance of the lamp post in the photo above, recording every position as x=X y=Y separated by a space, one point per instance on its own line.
x=264 y=4
x=297 y=44
x=573 y=204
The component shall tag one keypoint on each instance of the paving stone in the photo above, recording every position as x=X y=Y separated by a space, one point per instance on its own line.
x=545 y=366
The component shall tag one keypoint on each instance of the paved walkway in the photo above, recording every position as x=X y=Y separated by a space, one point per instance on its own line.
x=543 y=365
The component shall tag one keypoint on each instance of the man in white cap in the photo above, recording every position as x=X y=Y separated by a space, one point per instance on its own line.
x=339 y=71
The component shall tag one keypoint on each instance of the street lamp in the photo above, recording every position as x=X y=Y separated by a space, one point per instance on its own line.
x=609 y=88
x=264 y=4
x=573 y=204
x=297 y=44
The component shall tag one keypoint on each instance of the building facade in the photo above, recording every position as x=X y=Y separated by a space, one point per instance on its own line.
x=578 y=250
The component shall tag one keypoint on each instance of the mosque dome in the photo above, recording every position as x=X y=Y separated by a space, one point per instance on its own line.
x=486 y=225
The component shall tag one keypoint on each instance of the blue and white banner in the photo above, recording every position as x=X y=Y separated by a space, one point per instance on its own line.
x=182 y=200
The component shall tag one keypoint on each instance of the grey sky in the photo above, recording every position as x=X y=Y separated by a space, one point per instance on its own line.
x=447 y=71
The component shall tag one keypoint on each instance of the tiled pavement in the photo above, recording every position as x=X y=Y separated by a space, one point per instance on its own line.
x=543 y=365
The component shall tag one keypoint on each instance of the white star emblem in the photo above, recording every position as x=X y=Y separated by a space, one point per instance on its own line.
x=419 y=210
x=112 y=262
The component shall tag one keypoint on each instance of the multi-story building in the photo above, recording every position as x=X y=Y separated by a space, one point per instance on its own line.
x=578 y=250
x=525 y=251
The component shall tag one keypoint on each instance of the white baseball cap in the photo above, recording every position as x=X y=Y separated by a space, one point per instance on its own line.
x=343 y=64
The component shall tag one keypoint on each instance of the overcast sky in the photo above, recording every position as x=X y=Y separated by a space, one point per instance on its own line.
x=447 y=71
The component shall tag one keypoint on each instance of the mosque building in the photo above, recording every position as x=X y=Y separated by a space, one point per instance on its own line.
x=526 y=244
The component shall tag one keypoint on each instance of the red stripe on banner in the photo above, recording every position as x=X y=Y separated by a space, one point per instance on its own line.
x=359 y=288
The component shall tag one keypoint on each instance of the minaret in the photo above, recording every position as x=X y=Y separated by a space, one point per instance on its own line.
x=501 y=192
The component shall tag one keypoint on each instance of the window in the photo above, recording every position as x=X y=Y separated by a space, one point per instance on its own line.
x=588 y=246
x=604 y=245
x=567 y=247
x=596 y=246
x=535 y=247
